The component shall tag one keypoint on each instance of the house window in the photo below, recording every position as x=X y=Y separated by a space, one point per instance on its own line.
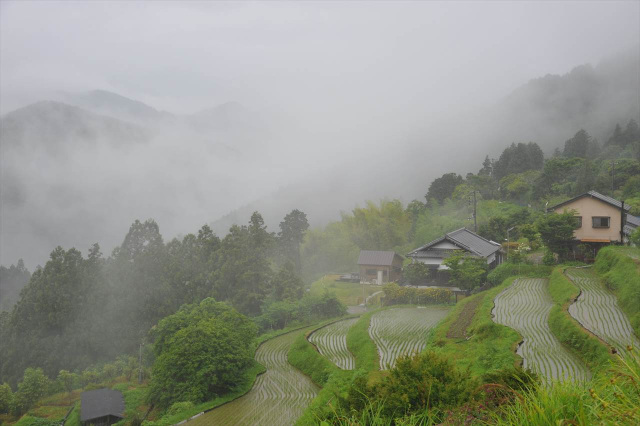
x=579 y=220
x=372 y=271
x=600 y=221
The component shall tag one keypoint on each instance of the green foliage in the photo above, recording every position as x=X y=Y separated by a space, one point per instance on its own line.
x=488 y=346
x=508 y=269
x=67 y=380
x=517 y=159
x=443 y=187
x=6 y=398
x=178 y=407
x=200 y=351
x=613 y=398
x=581 y=145
x=291 y=235
x=398 y=295
x=635 y=237
x=312 y=307
x=361 y=346
x=380 y=227
x=416 y=273
x=286 y=284
x=568 y=331
x=548 y=258
x=34 y=385
x=467 y=272
x=622 y=276
x=424 y=382
x=556 y=231
x=307 y=359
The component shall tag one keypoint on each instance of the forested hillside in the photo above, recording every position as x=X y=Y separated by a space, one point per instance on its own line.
x=511 y=190
x=77 y=311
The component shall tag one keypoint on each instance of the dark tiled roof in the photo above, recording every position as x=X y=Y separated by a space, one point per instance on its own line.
x=436 y=253
x=593 y=194
x=466 y=240
x=101 y=402
x=633 y=221
x=374 y=257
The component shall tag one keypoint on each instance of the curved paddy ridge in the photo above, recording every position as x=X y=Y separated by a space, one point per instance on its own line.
x=278 y=397
x=403 y=331
x=598 y=311
x=331 y=342
x=525 y=306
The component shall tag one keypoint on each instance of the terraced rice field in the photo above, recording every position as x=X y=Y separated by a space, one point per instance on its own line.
x=598 y=311
x=403 y=331
x=278 y=396
x=331 y=342
x=524 y=306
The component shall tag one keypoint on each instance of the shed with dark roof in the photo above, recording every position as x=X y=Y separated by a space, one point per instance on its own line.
x=379 y=266
x=101 y=407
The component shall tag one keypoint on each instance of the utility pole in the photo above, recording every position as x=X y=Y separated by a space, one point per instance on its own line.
x=140 y=364
x=509 y=242
x=613 y=176
x=475 y=211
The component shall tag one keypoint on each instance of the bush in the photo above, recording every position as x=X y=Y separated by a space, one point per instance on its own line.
x=201 y=351
x=178 y=407
x=508 y=269
x=395 y=295
x=34 y=386
x=548 y=259
x=416 y=273
x=6 y=398
x=424 y=382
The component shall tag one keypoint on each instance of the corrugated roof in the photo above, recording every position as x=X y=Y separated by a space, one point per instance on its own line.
x=375 y=257
x=593 y=194
x=466 y=240
x=101 y=402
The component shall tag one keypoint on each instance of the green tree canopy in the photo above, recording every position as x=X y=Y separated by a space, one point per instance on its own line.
x=467 y=272
x=291 y=235
x=442 y=187
x=201 y=352
x=556 y=231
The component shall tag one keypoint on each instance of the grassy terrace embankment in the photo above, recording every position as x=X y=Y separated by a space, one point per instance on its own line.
x=487 y=345
x=619 y=267
x=569 y=324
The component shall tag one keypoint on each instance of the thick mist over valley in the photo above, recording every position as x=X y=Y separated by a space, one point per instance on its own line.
x=322 y=122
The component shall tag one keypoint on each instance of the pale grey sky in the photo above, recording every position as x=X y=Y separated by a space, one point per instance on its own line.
x=313 y=58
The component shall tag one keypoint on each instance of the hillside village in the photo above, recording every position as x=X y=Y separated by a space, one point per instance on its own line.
x=535 y=231
x=331 y=213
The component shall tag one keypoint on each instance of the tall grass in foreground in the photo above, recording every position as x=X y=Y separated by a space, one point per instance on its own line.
x=612 y=398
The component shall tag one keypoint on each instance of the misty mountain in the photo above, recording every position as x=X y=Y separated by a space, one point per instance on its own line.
x=57 y=127
x=118 y=106
x=550 y=109
x=546 y=110
x=73 y=177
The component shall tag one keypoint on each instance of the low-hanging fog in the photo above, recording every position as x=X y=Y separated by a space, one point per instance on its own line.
x=194 y=113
